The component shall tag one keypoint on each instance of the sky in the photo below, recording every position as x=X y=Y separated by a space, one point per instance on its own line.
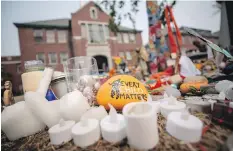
x=196 y=14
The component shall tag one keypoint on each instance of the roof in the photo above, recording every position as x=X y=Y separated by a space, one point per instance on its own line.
x=53 y=23
x=63 y=23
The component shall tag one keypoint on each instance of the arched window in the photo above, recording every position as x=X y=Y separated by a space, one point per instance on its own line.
x=93 y=13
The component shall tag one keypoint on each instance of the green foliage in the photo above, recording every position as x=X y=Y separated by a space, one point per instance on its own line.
x=116 y=16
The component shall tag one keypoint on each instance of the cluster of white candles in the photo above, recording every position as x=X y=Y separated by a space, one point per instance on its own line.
x=71 y=117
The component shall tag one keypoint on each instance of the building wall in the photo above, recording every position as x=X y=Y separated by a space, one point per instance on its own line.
x=12 y=66
x=29 y=47
x=80 y=45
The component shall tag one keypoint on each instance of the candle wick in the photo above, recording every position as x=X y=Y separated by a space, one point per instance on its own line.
x=112 y=114
x=84 y=122
x=61 y=123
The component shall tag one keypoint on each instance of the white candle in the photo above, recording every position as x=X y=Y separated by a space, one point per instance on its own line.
x=45 y=81
x=73 y=105
x=184 y=126
x=61 y=132
x=172 y=91
x=141 y=125
x=95 y=113
x=113 y=126
x=86 y=132
x=171 y=105
x=18 y=121
x=47 y=111
x=31 y=80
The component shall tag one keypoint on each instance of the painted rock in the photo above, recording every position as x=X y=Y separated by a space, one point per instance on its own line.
x=121 y=90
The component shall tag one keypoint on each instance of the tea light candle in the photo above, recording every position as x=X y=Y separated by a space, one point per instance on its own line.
x=170 y=106
x=199 y=105
x=73 y=105
x=61 y=132
x=141 y=125
x=95 y=113
x=45 y=81
x=47 y=111
x=86 y=132
x=184 y=126
x=113 y=126
x=18 y=121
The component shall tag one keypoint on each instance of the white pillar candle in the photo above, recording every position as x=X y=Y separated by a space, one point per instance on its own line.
x=86 y=132
x=73 y=105
x=199 y=105
x=95 y=113
x=46 y=110
x=18 y=121
x=184 y=126
x=61 y=132
x=171 y=105
x=113 y=126
x=141 y=125
x=31 y=80
x=45 y=81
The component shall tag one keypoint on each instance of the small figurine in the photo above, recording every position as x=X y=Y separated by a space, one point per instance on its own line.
x=8 y=97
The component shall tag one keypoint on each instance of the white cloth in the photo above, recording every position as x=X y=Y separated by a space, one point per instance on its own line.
x=187 y=68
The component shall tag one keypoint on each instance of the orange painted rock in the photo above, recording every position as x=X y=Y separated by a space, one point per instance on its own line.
x=121 y=90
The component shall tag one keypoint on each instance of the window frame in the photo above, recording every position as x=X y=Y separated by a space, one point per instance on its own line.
x=59 y=35
x=52 y=32
x=119 y=40
x=60 y=55
x=40 y=35
x=91 y=15
x=37 y=57
x=49 y=57
x=127 y=54
x=127 y=35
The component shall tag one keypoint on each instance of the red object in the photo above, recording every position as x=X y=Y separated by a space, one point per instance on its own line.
x=156 y=85
x=169 y=70
x=206 y=128
x=154 y=28
x=169 y=17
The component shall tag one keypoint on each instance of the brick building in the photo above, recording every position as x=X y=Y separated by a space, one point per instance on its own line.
x=85 y=34
x=11 y=70
x=187 y=46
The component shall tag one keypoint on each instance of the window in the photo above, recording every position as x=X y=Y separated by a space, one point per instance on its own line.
x=121 y=54
x=83 y=31
x=119 y=38
x=52 y=58
x=63 y=56
x=62 y=38
x=106 y=31
x=93 y=13
x=41 y=56
x=128 y=55
x=96 y=33
x=132 y=37
x=38 y=36
x=126 y=38
x=50 y=36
